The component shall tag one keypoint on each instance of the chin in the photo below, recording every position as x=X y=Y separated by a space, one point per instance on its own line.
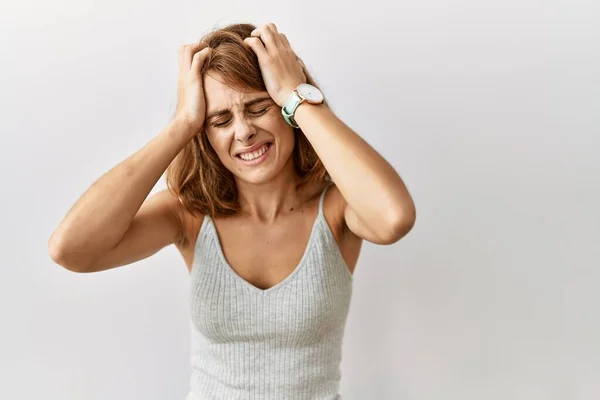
x=255 y=179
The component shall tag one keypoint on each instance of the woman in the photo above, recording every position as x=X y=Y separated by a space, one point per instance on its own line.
x=268 y=209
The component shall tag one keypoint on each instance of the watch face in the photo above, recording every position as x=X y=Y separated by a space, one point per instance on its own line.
x=310 y=93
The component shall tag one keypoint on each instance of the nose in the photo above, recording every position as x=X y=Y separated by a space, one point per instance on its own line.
x=244 y=131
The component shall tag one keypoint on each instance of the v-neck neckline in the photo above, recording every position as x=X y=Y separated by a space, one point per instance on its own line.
x=210 y=224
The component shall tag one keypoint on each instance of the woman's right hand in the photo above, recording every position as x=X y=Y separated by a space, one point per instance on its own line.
x=191 y=103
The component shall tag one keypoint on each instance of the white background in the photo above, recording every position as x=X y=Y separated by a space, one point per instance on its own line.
x=488 y=109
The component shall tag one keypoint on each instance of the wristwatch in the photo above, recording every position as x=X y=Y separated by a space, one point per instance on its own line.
x=304 y=92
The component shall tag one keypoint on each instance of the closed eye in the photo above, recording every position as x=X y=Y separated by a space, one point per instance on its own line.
x=253 y=113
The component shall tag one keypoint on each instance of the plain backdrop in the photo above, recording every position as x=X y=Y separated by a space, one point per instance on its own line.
x=489 y=110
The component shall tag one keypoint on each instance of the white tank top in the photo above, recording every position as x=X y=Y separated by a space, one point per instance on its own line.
x=282 y=343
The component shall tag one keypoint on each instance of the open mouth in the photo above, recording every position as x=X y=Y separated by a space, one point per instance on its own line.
x=256 y=156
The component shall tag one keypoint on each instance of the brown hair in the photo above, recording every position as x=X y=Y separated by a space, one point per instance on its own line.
x=202 y=183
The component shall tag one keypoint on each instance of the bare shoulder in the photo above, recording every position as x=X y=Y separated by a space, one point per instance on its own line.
x=334 y=206
x=167 y=204
x=190 y=225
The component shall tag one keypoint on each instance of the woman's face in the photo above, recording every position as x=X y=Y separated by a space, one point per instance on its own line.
x=247 y=131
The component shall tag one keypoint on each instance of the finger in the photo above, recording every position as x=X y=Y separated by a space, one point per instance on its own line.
x=257 y=45
x=199 y=59
x=183 y=49
x=188 y=53
x=284 y=40
x=272 y=27
x=268 y=37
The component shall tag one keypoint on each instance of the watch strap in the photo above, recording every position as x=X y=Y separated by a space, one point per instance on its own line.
x=289 y=108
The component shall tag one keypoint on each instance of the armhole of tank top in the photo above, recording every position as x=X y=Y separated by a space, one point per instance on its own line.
x=330 y=235
x=201 y=232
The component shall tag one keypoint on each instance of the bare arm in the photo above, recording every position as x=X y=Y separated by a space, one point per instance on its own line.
x=101 y=217
x=108 y=226
x=378 y=205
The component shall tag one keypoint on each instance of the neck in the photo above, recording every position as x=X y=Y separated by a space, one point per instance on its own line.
x=266 y=201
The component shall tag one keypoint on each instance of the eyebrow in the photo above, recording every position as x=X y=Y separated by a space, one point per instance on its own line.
x=247 y=104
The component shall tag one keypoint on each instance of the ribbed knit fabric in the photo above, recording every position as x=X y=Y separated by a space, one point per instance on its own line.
x=282 y=343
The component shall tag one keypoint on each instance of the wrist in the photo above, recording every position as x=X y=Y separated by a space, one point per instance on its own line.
x=297 y=101
x=182 y=127
x=306 y=108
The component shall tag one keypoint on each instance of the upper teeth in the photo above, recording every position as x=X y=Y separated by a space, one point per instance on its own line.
x=254 y=154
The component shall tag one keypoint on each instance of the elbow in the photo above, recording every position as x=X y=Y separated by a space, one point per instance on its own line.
x=61 y=257
x=399 y=225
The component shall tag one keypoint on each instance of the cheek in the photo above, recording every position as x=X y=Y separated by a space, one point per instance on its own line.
x=216 y=141
x=220 y=144
x=284 y=131
x=287 y=141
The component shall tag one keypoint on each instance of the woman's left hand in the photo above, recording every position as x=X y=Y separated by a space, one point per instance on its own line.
x=280 y=67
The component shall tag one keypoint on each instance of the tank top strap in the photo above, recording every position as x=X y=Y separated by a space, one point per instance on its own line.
x=203 y=227
x=322 y=199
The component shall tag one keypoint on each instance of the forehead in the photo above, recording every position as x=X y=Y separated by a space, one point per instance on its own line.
x=220 y=96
